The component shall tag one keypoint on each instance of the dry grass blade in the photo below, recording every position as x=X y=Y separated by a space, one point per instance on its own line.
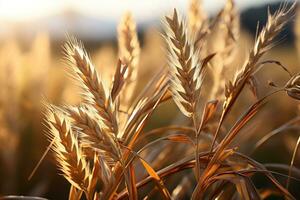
x=179 y=138
x=242 y=183
x=209 y=172
x=133 y=194
x=180 y=190
x=95 y=94
x=119 y=80
x=152 y=174
x=163 y=130
x=265 y=193
x=74 y=193
x=156 y=177
x=143 y=110
x=244 y=119
x=283 y=167
x=175 y=167
x=219 y=155
x=136 y=123
x=292 y=124
x=209 y=111
x=260 y=168
x=292 y=87
x=188 y=163
x=292 y=163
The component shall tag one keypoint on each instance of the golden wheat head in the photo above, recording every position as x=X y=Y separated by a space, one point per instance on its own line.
x=93 y=138
x=186 y=73
x=129 y=53
x=67 y=151
x=263 y=43
x=196 y=17
x=94 y=92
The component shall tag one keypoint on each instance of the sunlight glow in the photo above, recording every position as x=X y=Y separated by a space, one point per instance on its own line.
x=22 y=10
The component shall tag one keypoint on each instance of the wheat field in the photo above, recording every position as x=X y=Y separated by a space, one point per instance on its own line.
x=197 y=110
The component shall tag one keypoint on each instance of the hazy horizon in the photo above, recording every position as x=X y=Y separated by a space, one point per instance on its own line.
x=26 y=10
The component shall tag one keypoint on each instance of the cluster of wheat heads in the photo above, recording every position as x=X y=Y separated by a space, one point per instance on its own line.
x=97 y=143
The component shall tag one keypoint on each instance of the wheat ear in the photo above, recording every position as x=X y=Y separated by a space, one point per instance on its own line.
x=263 y=43
x=93 y=138
x=224 y=44
x=186 y=73
x=196 y=17
x=129 y=52
x=95 y=94
x=231 y=22
x=68 y=154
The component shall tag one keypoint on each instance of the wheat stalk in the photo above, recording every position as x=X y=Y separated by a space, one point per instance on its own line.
x=129 y=52
x=196 y=17
x=93 y=138
x=223 y=42
x=95 y=94
x=186 y=73
x=67 y=151
x=263 y=43
x=96 y=149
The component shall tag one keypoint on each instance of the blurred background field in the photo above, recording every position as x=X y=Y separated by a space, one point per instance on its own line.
x=32 y=70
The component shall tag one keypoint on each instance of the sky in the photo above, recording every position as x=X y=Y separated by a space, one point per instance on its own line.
x=25 y=10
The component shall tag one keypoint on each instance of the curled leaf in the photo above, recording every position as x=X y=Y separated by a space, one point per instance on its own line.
x=119 y=79
x=292 y=87
x=209 y=110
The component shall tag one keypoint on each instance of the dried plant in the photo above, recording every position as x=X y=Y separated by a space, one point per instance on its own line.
x=224 y=37
x=197 y=18
x=263 y=43
x=129 y=53
x=297 y=30
x=21 y=87
x=186 y=71
x=67 y=152
x=96 y=147
x=95 y=93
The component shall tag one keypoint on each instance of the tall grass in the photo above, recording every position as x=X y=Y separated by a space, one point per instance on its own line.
x=125 y=138
x=98 y=142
